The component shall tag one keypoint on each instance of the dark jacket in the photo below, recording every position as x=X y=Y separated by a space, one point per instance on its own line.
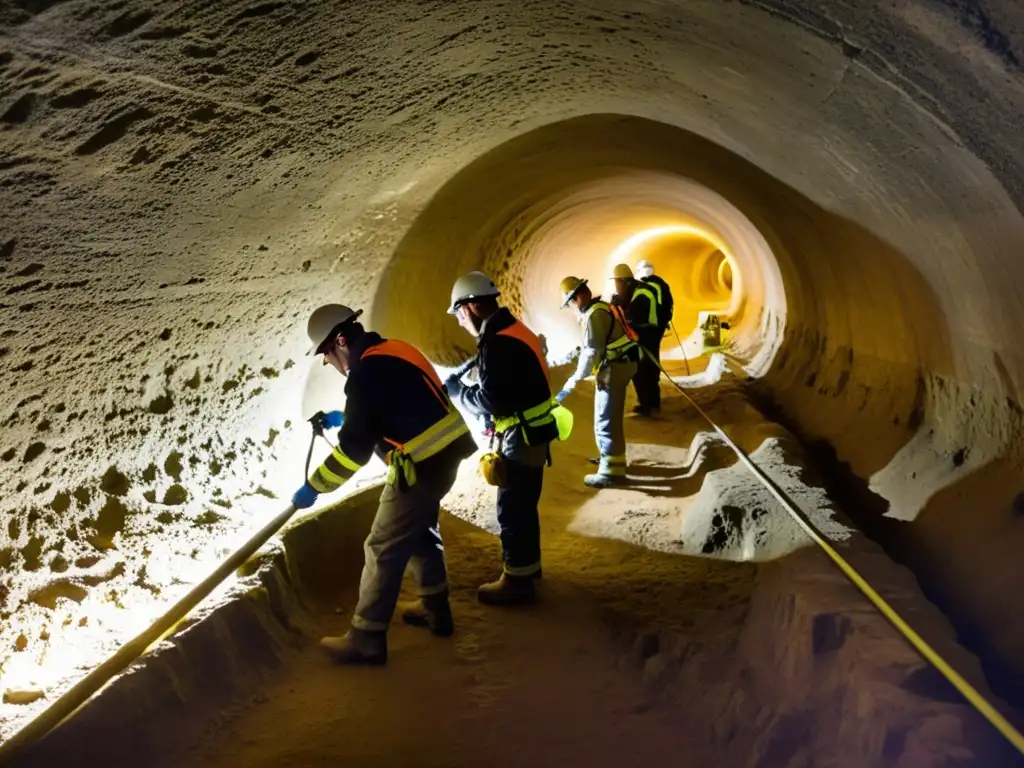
x=666 y=304
x=512 y=380
x=389 y=398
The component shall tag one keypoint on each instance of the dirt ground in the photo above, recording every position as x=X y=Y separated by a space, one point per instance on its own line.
x=553 y=683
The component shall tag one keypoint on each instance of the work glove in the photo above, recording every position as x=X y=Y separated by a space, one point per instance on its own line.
x=453 y=384
x=333 y=419
x=305 y=497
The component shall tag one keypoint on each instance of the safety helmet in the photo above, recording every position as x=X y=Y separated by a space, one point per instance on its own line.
x=622 y=271
x=326 y=323
x=475 y=285
x=644 y=268
x=570 y=287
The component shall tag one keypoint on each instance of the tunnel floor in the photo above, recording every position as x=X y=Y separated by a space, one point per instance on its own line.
x=543 y=686
x=636 y=653
x=558 y=682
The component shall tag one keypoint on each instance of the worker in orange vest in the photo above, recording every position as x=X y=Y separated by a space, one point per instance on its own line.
x=396 y=407
x=514 y=391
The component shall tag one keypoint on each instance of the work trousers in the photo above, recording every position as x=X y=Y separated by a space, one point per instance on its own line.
x=404 y=532
x=648 y=373
x=609 y=415
x=518 y=514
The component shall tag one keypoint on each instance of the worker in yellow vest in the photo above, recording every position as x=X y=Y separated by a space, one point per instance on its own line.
x=608 y=352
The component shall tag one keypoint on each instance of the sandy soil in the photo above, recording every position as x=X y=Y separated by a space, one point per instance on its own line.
x=185 y=180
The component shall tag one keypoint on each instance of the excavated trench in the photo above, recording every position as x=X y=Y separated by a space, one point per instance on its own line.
x=180 y=185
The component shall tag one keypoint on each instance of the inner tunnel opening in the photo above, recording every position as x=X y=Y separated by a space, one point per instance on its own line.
x=530 y=213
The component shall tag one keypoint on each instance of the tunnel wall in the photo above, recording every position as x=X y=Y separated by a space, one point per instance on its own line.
x=180 y=185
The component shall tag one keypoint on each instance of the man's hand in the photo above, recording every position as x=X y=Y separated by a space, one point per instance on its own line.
x=305 y=497
x=333 y=420
x=453 y=384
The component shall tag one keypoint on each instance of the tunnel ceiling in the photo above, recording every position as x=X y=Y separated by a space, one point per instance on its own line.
x=180 y=183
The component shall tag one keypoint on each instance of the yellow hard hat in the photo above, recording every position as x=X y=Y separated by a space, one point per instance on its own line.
x=570 y=287
x=622 y=271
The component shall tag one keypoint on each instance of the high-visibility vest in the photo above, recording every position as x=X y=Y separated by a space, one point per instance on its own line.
x=434 y=438
x=644 y=289
x=615 y=348
x=539 y=415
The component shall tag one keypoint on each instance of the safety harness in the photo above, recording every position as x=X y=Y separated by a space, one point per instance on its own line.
x=617 y=349
x=402 y=459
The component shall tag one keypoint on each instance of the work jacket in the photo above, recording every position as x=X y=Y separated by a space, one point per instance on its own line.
x=607 y=338
x=514 y=388
x=397 y=408
x=663 y=295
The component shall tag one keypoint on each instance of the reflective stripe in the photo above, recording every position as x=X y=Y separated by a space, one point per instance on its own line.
x=643 y=289
x=534 y=417
x=520 y=332
x=428 y=443
x=334 y=472
x=435 y=439
x=617 y=348
x=612 y=466
x=655 y=288
x=368 y=626
x=525 y=570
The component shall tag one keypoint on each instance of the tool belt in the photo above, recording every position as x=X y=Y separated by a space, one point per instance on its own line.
x=531 y=421
x=403 y=458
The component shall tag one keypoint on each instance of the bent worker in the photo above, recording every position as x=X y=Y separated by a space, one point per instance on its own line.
x=642 y=314
x=396 y=407
x=514 y=392
x=609 y=351
x=662 y=294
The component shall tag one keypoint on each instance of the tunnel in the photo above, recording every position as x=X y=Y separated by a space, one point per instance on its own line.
x=842 y=184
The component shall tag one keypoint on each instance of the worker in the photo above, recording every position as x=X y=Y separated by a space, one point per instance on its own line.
x=609 y=350
x=662 y=294
x=642 y=314
x=514 y=393
x=396 y=406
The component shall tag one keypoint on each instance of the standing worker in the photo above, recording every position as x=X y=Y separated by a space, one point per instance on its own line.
x=662 y=294
x=514 y=392
x=396 y=407
x=609 y=351
x=641 y=307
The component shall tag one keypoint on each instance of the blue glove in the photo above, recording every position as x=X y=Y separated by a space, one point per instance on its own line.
x=560 y=397
x=453 y=385
x=333 y=419
x=305 y=497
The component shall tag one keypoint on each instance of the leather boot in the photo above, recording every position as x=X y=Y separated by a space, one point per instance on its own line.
x=508 y=590
x=433 y=612
x=358 y=646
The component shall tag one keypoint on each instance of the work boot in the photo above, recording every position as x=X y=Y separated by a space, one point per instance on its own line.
x=433 y=612
x=358 y=646
x=507 y=590
x=600 y=480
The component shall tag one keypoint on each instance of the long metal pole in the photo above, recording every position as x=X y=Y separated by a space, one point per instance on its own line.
x=83 y=690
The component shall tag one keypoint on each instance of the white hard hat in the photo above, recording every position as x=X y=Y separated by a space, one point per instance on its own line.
x=326 y=322
x=475 y=285
x=644 y=268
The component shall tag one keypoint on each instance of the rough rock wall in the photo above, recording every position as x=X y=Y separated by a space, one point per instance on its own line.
x=180 y=183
